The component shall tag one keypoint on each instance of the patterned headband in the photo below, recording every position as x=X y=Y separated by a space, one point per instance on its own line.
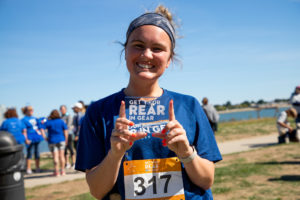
x=153 y=19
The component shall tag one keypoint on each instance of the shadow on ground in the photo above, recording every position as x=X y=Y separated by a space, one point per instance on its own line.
x=291 y=178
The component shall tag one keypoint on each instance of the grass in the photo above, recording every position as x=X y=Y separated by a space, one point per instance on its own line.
x=270 y=173
x=246 y=128
x=252 y=175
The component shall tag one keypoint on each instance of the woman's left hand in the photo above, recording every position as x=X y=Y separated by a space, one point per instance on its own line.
x=174 y=136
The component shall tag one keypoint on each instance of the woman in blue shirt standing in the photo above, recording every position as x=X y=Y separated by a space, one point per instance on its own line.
x=34 y=135
x=145 y=142
x=57 y=134
x=15 y=126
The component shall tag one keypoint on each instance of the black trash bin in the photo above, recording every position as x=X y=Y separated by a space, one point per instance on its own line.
x=12 y=165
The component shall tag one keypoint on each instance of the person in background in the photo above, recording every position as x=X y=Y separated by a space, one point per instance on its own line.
x=77 y=119
x=283 y=126
x=69 y=150
x=211 y=113
x=83 y=110
x=34 y=135
x=57 y=140
x=15 y=126
x=295 y=101
x=178 y=143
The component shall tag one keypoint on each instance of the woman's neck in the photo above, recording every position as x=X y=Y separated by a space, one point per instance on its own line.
x=143 y=90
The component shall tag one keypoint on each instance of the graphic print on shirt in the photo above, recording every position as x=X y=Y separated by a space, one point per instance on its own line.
x=34 y=125
x=149 y=116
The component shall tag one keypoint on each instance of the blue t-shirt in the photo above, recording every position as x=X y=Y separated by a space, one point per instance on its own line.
x=15 y=127
x=55 y=129
x=32 y=125
x=94 y=137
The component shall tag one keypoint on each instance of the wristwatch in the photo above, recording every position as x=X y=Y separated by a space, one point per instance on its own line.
x=190 y=157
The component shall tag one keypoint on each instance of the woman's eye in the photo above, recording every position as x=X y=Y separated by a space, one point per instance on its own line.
x=139 y=46
x=157 y=49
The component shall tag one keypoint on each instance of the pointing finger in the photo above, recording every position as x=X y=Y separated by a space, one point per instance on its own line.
x=171 y=111
x=122 y=113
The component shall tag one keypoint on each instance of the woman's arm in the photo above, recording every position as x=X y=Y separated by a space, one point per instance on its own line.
x=102 y=178
x=200 y=171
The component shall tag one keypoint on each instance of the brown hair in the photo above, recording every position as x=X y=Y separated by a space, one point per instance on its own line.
x=54 y=114
x=10 y=113
x=26 y=109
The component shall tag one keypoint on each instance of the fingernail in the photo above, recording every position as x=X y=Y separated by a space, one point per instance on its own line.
x=163 y=131
x=133 y=135
x=130 y=143
x=131 y=123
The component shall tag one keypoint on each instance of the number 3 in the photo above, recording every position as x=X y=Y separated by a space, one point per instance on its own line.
x=152 y=180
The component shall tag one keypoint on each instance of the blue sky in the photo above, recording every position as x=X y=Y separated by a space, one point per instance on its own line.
x=55 y=52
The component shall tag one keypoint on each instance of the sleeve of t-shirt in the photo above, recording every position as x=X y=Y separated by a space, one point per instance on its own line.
x=26 y=123
x=22 y=125
x=90 y=149
x=282 y=117
x=41 y=125
x=205 y=144
x=3 y=126
x=65 y=127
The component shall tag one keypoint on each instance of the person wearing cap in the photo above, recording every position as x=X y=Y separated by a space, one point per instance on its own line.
x=146 y=142
x=283 y=126
x=295 y=101
x=77 y=119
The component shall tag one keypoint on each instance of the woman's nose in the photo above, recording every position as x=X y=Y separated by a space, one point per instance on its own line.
x=147 y=53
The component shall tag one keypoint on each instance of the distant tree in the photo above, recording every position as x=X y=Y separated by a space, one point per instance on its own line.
x=228 y=104
x=261 y=101
x=245 y=104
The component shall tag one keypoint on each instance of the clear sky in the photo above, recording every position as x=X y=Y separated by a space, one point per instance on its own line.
x=55 y=52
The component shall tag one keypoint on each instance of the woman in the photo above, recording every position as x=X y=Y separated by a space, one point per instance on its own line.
x=57 y=134
x=146 y=142
x=15 y=126
x=34 y=135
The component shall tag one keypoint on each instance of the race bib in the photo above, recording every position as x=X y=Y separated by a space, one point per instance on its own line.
x=153 y=179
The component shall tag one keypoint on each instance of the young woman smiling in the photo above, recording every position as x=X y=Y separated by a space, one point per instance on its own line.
x=127 y=155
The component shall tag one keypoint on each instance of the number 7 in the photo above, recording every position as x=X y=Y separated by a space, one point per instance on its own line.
x=168 y=177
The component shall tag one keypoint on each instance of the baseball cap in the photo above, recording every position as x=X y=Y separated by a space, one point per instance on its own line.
x=78 y=105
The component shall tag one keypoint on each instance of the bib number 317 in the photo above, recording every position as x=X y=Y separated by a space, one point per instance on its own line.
x=158 y=184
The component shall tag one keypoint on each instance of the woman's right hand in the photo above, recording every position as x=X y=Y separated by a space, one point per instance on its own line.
x=121 y=138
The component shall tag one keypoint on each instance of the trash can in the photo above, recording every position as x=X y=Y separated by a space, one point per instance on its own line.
x=12 y=165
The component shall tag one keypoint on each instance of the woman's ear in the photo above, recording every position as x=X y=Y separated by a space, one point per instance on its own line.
x=169 y=62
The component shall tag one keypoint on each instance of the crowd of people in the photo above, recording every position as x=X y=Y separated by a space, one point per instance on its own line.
x=60 y=129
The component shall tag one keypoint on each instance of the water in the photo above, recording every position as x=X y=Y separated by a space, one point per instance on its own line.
x=234 y=116
x=253 y=114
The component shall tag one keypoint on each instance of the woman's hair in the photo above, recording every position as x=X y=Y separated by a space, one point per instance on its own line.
x=54 y=115
x=10 y=113
x=162 y=10
x=26 y=109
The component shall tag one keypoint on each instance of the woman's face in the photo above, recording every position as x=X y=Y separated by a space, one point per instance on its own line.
x=147 y=53
x=30 y=111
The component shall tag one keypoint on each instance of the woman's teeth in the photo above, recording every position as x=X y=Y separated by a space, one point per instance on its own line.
x=144 y=66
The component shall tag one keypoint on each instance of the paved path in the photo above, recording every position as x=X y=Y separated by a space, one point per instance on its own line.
x=247 y=144
x=45 y=178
